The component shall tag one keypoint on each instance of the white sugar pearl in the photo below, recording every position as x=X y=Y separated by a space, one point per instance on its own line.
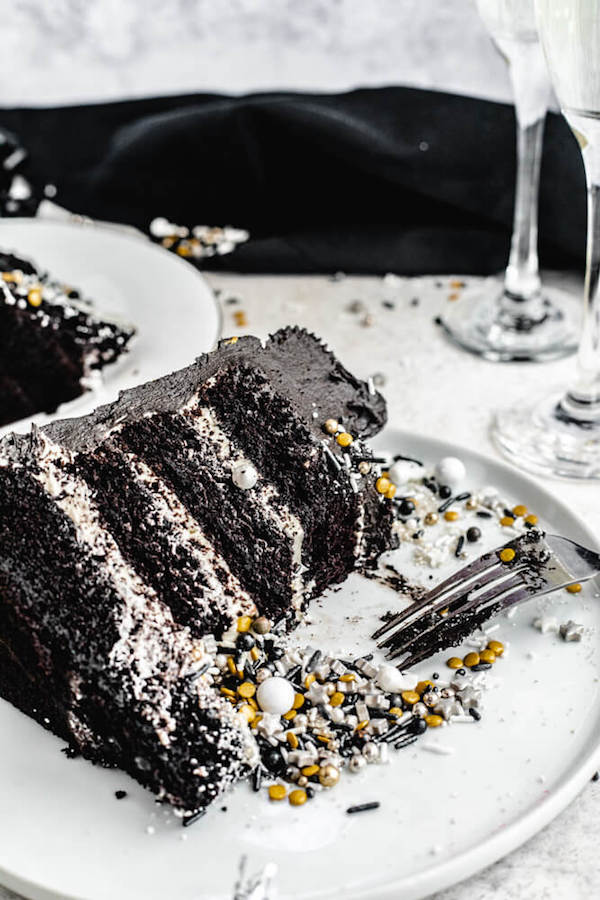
x=403 y=470
x=275 y=695
x=161 y=227
x=450 y=471
x=391 y=679
x=244 y=475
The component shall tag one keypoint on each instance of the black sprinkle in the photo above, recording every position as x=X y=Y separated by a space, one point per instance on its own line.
x=437 y=320
x=293 y=673
x=509 y=512
x=314 y=661
x=461 y=671
x=409 y=739
x=445 y=505
x=399 y=456
x=257 y=778
x=483 y=514
x=459 y=545
x=368 y=657
x=481 y=666
x=417 y=534
x=120 y=795
x=310 y=792
x=363 y=807
x=596 y=776
x=388 y=304
x=474 y=713
x=70 y=752
x=189 y=820
x=370 y=459
x=460 y=497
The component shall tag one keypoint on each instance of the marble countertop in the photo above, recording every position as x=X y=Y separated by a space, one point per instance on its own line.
x=436 y=389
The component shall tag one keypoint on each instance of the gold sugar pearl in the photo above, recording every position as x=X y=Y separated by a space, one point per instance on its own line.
x=184 y=249
x=331 y=426
x=344 y=439
x=455 y=662
x=472 y=659
x=531 y=519
x=431 y=518
x=433 y=721
x=247 y=689
x=471 y=503
x=34 y=297
x=382 y=485
x=262 y=625
x=329 y=775
x=507 y=555
x=497 y=647
x=487 y=656
x=297 y=797
x=520 y=510
x=573 y=588
x=507 y=521
x=364 y=467
x=451 y=515
x=277 y=792
x=244 y=623
x=410 y=697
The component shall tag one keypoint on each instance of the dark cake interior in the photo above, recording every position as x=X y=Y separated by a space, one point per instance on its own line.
x=131 y=537
x=50 y=341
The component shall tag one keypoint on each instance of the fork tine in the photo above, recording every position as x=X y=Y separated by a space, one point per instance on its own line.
x=432 y=607
x=487 y=561
x=480 y=602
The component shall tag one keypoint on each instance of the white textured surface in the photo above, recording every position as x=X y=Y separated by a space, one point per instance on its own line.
x=435 y=389
x=69 y=50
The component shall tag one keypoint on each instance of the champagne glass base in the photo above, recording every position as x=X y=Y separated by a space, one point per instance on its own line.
x=477 y=323
x=545 y=440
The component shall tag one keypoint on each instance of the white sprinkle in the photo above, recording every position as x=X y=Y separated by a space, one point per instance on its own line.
x=440 y=749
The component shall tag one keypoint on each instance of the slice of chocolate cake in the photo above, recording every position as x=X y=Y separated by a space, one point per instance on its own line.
x=131 y=537
x=50 y=341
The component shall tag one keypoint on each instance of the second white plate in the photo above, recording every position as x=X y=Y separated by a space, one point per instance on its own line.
x=171 y=305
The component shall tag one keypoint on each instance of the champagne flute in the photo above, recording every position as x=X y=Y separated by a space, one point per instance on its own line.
x=514 y=318
x=561 y=435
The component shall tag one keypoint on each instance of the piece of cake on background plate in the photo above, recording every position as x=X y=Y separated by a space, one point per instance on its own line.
x=52 y=342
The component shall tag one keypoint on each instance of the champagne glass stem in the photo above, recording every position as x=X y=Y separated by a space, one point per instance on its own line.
x=583 y=400
x=522 y=286
x=522 y=279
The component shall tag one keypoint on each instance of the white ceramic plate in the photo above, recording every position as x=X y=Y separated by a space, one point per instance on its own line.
x=442 y=817
x=171 y=305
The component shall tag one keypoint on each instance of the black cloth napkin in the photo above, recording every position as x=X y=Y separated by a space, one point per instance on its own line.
x=375 y=180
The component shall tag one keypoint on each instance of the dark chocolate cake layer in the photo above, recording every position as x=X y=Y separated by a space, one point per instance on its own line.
x=157 y=521
x=50 y=342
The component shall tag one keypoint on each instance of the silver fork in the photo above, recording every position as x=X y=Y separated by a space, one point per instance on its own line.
x=461 y=603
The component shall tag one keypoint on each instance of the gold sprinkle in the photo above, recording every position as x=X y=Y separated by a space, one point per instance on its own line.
x=396 y=711
x=347 y=677
x=507 y=521
x=240 y=318
x=292 y=740
x=244 y=624
x=231 y=340
x=298 y=701
x=410 y=697
x=309 y=680
x=507 y=555
x=277 y=792
x=391 y=491
x=228 y=692
x=472 y=659
x=247 y=712
x=573 y=588
x=423 y=686
x=520 y=510
x=497 y=647
x=309 y=771
x=488 y=656
x=454 y=296
x=254 y=654
x=455 y=662
x=289 y=715
x=433 y=721
x=362 y=725
x=531 y=519
x=231 y=665
x=247 y=689
x=451 y=515
x=297 y=797
x=34 y=297
x=336 y=699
